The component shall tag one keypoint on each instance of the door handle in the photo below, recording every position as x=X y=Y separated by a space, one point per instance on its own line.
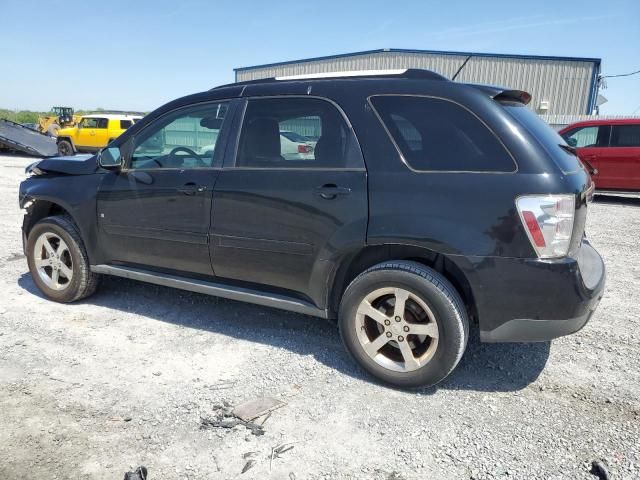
x=331 y=191
x=191 y=188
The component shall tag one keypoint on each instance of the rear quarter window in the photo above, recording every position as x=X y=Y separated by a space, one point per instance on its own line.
x=435 y=134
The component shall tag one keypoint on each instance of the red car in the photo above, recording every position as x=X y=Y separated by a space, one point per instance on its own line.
x=610 y=149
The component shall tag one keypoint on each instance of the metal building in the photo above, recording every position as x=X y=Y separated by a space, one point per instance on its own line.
x=558 y=85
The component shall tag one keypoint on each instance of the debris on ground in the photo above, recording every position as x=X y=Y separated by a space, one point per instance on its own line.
x=250 y=464
x=222 y=421
x=258 y=407
x=242 y=414
x=139 y=473
x=599 y=469
x=278 y=450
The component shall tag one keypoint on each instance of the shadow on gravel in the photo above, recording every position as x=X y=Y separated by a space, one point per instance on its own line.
x=484 y=367
x=617 y=199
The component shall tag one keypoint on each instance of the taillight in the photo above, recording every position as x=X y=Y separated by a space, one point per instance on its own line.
x=548 y=220
x=304 y=148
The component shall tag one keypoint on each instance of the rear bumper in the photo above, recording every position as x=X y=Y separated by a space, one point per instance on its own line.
x=528 y=330
x=532 y=300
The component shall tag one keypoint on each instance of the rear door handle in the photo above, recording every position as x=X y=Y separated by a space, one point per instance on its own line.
x=331 y=191
x=191 y=188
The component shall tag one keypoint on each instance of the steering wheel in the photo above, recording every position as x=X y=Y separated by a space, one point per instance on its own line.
x=189 y=152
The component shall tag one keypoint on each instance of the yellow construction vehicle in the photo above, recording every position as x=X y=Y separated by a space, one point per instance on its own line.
x=60 y=117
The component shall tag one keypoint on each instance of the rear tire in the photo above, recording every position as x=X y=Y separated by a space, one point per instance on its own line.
x=65 y=148
x=58 y=260
x=404 y=323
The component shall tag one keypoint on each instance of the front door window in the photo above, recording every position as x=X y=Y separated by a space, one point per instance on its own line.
x=185 y=139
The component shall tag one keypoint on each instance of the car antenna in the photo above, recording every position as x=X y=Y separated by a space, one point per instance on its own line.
x=461 y=67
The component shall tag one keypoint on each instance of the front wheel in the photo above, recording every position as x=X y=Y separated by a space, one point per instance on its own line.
x=65 y=148
x=404 y=323
x=58 y=261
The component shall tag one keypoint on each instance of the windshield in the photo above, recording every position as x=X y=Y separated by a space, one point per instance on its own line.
x=547 y=136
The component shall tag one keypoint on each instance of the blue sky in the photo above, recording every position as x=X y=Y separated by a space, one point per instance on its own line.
x=139 y=54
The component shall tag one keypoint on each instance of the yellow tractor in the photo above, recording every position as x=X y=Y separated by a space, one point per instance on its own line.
x=60 y=117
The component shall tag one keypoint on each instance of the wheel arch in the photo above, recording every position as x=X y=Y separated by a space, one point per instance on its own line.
x=41 y=208
x=68 y=139
x=369 y=256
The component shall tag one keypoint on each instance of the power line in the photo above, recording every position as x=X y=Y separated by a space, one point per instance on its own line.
x=621 y=75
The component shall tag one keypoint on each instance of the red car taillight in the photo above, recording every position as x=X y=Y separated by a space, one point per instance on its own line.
x=548 y=220
x=305 y=148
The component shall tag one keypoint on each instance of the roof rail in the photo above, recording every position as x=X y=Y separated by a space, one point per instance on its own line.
x=409 y=73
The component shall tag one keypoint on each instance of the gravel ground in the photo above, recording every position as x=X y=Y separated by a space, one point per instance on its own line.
x=121 y=379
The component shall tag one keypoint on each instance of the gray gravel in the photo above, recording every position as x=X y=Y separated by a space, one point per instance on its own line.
x=93 y=389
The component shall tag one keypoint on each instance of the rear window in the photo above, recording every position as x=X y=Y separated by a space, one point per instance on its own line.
x=438 y=135
x=124 y=124
x=547 y=136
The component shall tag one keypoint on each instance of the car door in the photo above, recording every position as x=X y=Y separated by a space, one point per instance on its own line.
x=591 y=143
x=623 y=157
x=156 y=211
x=101 y=133
x=281 y=221
x=85 y=137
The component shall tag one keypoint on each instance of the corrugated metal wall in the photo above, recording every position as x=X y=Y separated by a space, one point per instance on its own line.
x=564 y=84
x=560 y=121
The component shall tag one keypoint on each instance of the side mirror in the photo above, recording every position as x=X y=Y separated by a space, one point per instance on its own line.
x=110 y=158
x=572 y=142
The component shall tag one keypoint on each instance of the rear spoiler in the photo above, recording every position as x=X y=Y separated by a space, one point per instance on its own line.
x=502 y=94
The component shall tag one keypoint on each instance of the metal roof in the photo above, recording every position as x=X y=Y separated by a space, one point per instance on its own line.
x=597 y=61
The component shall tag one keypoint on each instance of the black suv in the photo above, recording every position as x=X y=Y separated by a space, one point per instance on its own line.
x=425 y=207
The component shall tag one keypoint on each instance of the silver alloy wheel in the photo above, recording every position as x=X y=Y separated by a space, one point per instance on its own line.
x=53 y=261
x=397 y=329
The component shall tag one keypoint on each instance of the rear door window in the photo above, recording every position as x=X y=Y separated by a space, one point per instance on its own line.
x=625 y=136
x=124 y=124
x=275 y=134
x=434 y=134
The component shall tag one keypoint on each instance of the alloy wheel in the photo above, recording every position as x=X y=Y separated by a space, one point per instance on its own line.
x=53 y=261
x=397 y=329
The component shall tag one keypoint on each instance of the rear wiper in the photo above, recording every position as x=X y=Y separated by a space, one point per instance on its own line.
x=573 y=151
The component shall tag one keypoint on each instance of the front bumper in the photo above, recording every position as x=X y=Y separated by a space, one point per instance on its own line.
x=533 y=300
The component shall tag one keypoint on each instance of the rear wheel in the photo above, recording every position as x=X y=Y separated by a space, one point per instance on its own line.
x=404 y=323
x=65 y=148
x=58 y=261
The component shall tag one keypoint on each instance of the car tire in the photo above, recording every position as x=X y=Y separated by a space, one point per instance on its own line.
x=417 y=344
x=65 y=148
x=56 y=252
